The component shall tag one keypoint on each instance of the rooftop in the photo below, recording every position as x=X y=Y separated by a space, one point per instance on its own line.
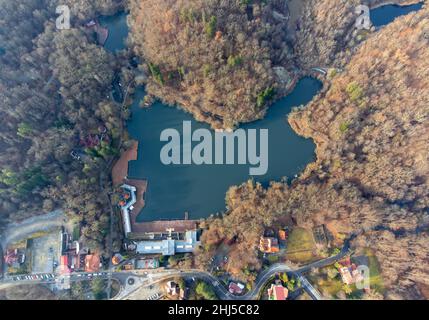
x=169 y=247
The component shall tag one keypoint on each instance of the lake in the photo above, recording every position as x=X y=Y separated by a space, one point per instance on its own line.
x=200 y=190
x=386 y=14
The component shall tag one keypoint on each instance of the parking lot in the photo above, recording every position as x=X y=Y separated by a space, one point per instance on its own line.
x=46 y=251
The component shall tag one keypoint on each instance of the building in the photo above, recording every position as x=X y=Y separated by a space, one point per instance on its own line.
x=126 y=204
x=277 y=292
x=349 y=272
x=64 y=265
x=14 y=257
x=147 y=263
x=346 y=275
x=92 y=262
x=269 y=245
x=236 y=288
x=169 y=246
x=172 y=288
x=117 y=259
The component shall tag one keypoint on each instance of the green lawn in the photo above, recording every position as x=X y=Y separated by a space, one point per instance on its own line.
x=300 y=246
x=376 y=281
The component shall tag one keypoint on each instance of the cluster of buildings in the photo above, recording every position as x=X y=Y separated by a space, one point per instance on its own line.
x=349 y=272
x=157 y=237
x=14 y=258
x=271 y=244
x=74 y=258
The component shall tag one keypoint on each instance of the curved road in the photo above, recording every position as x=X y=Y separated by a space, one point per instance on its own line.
x=20 y=230
x=261 y=280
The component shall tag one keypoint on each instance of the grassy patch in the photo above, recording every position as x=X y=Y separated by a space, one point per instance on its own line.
x=375 y=279
x=327 y=285
x=273 y=259
x=300 y=246
x=76 y=232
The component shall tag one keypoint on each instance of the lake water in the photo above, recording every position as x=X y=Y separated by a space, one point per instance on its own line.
x=118 y=31
x=386 y=14
x=200 y=190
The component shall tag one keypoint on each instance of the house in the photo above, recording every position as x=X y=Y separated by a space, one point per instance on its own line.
x=117 y=259
x=64 y=265
x=92 y=263
x=172 y=288
x=269 y=245
x=357 y=276
x=147 y=263
x=14 y=257
x=277 y=292
x=349 y=272
x=236 y=288
x=346 y=275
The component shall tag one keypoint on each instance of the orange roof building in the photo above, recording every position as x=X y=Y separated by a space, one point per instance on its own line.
x=92 y=262
x=64 y=265
x=269 y=245
x=117 y=259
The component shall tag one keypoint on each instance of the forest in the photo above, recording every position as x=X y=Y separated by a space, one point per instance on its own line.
x=60 y=129
x=244 y=60
x=370 y=178
x=225 y=62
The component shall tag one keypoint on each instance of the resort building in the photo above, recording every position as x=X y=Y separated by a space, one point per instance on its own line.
x=169 y=246
x=127 y=205
x=156 y=237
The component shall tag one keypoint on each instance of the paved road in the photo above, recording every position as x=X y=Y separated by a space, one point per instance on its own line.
x=17 y=231
x=260 y=282
x=148 y=278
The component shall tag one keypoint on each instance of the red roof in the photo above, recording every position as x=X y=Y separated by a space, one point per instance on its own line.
x=92 y=262
x=64 y=268
x=234 y=288
x=278 y=292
